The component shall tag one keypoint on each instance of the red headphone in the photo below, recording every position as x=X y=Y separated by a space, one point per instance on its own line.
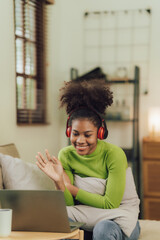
x=102 y=131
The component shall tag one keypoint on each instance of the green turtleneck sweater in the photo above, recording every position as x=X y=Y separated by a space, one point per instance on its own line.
x=106 y=162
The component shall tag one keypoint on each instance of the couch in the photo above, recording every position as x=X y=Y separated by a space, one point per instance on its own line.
x=13 y=176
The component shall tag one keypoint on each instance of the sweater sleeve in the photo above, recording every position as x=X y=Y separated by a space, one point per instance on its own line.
x=68 y=196
x=116 y=165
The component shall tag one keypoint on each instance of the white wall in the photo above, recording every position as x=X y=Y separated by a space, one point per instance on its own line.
x=65 y=50
x=28 y=139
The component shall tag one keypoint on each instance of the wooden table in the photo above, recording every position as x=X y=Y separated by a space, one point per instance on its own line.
x=20 y=235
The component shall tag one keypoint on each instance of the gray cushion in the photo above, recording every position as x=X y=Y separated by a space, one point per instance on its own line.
x=8 y=149
x=19 y=174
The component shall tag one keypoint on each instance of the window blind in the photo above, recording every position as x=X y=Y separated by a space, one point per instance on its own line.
x=30 y=22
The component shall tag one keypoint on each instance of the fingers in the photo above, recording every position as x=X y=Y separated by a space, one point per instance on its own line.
x=39 y=165
x=41 y=160
x=53 y=158
x=42 y=157
x=56 y=161
x=47 y=154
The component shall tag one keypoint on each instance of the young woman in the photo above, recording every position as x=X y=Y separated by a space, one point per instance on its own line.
x=93 y=174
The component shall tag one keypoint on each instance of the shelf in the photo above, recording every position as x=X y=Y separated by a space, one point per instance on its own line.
x=120 y=80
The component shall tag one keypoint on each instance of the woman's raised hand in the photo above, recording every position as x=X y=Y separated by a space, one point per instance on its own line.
x=50 y=166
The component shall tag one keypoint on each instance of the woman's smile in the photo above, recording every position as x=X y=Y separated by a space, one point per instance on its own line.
x=81 y=148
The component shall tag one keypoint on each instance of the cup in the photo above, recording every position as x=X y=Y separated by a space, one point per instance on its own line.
x=5 y=222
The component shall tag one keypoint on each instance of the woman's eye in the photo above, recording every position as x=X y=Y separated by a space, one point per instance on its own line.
x=75 y=134
x=87 y=135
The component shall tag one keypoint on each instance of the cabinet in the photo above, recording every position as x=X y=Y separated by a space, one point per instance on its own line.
x=151 y=178
x=132 y=153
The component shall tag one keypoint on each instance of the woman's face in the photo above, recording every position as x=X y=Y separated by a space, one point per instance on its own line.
x=83 y=136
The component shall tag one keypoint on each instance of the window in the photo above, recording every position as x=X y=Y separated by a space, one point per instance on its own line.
x=30 y=56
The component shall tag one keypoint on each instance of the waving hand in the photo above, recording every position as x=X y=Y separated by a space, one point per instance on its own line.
x=50 y=166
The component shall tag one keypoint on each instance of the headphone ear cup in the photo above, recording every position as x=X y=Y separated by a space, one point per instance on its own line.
x=105 y=134
x=105 y=129
x=101 y=132
x=68 y=131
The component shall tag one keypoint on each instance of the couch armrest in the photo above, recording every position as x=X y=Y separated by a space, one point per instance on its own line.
x=8 y=149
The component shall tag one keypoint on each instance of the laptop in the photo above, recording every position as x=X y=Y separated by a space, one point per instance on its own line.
x=38 y=210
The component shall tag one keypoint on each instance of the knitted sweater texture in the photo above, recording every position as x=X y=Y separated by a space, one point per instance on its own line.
x=106 y=162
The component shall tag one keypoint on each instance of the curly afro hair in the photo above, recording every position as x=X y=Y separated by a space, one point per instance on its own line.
x=92 y=94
